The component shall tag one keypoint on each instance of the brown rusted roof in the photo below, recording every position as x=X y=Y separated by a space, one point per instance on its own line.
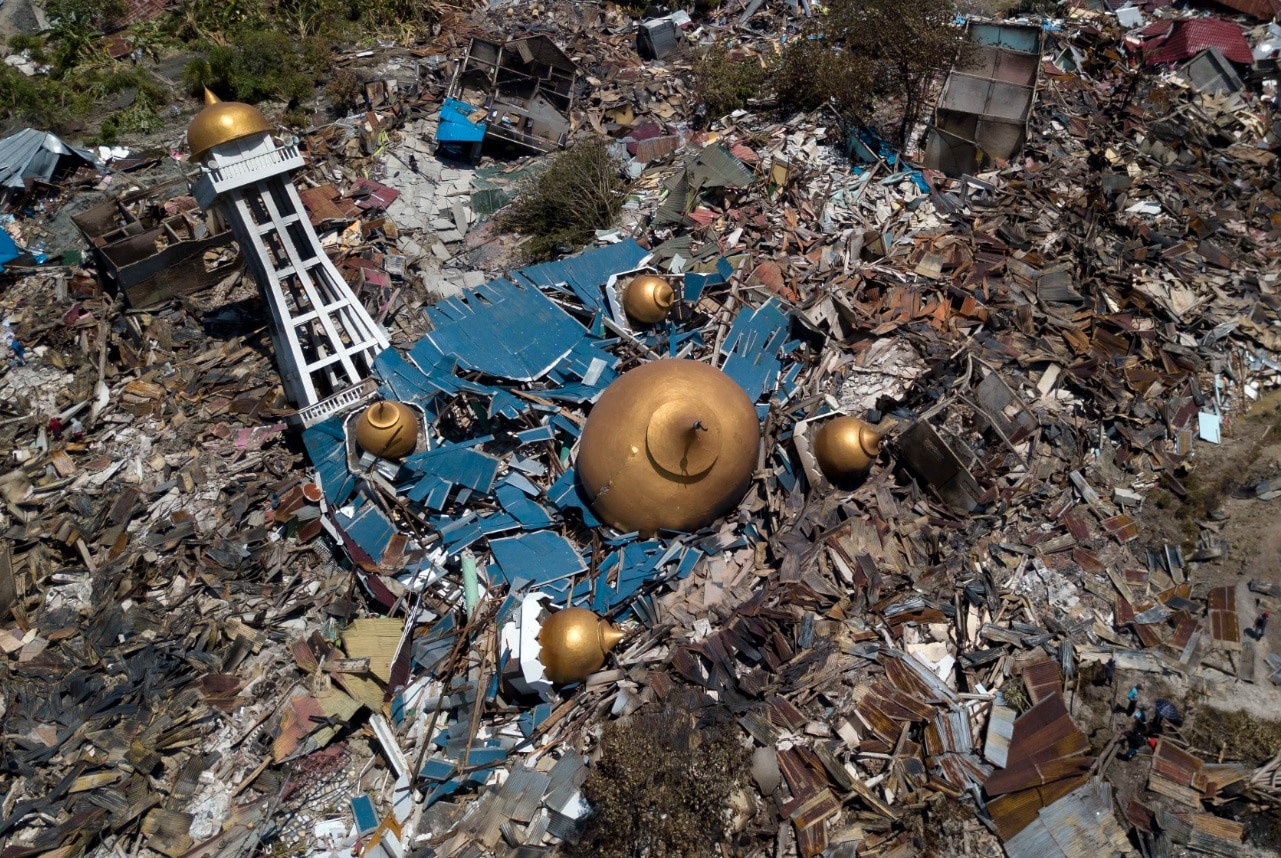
x=1047 y=759
x=139 y=11
x=1225 y=628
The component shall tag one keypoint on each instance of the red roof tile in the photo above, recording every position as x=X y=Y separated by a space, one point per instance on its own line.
x=143 y=10
x=1190 y=37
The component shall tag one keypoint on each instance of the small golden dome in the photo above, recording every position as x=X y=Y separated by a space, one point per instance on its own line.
x=574 y=643
x=648 y=299
x=389 y=430
x=846 y=447
x=221 y=122
x=670 y=445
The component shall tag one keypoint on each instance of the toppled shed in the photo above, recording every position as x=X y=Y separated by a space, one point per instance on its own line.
x=526 y=86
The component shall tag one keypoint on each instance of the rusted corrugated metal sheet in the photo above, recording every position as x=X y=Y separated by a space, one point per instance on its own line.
x=1046 y=759
x=1215 y=835
x=1042 y=679
x=1225 y=628
x=1175 y=764
x=1082 y=824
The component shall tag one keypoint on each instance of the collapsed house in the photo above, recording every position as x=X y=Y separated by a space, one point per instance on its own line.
x=525 y=86
x=152 y=244
x=31 y=160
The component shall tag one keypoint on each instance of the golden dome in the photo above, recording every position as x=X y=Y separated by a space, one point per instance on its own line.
x=648 y=298
x=574 y=643
x=670 y=445
x=387 y=429
x=221 y=122
x=846 y=447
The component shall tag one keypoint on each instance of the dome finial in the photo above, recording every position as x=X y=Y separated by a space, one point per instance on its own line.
x=210 y=98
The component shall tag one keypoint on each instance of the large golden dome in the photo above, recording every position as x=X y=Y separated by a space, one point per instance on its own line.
x=221 y=122
x=670 y=445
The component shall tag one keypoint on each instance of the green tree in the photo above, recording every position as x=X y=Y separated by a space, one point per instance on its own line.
x=809 y=74
x=582 y=190
x=909 y=43
x=261 y=65
x=724 y=84
x=76 y=25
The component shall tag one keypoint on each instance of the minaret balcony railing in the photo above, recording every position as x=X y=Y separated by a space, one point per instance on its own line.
x=217 y=179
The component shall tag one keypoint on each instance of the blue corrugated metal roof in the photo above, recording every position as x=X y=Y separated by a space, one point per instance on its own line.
x=754 y=348
x=536 y=557
x=500 y=329
x=326 y=445
x=586 y=274
x=368 y=528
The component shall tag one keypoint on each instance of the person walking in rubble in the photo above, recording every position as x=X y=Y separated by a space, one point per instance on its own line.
x=1109 y=671
x=1260 y=626
x=1132 y=699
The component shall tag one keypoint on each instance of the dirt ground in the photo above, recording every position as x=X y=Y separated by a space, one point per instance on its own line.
x=1229 y=720
x=17 y=17
x=1220 y=498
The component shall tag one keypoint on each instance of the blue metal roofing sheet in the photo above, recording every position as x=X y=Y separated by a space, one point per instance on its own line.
x=539 y=557
x=587 y=273
x=535 y=333
x=754 y=347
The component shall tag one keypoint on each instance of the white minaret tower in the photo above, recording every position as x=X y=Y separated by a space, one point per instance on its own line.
x=325 y=340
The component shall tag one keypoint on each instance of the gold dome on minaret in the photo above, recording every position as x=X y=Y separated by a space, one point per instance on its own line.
x=670 y=445
x=221 y=122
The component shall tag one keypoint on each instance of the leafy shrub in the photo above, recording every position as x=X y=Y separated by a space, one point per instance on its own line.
x=581 y=191
x=725 y=84
x=140 y=117
x=40 y=100
x=261 y=65
x=661 y=787
x=31 y=43
x=809 y=74
x=346 y=89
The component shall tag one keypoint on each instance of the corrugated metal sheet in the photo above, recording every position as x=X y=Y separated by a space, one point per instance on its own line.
x=1043 y=679
x=715 y=167
x=537 y=334
x=140 y=11
x=32 y=154
x=1172 y=762
x=586 y=274
x=1225 y=626
x=1000 y=730
x=1046 y=760
x=1215 y=835
x=1082 y=824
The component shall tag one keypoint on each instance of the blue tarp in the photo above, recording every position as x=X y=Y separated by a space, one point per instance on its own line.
x=8 y=249
x=455 y=127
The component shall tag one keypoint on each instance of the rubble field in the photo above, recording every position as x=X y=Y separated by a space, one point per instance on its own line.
x=1034 y=625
